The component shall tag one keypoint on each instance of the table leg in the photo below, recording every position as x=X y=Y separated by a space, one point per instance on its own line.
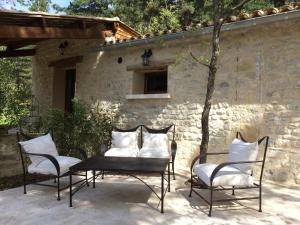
x=93 y=178
x=162 y=193
x=169 y=177
x=70 y=188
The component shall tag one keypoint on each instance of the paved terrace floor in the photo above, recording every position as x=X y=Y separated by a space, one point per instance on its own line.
x=123 y=200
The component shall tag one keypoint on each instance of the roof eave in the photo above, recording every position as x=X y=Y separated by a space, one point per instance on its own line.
x=206 y=30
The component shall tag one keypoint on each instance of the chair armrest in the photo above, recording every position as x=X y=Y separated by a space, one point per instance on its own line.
x=220 y=166
x=82 y=152
x=51 y=158
x=203 y=155
x=173 y=150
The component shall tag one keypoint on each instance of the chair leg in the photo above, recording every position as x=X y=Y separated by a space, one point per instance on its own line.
x=24 y=183
x=93 y=178
x=190 y=195
x=173 y=170
x=58 y=189
x=86 y=179
x=102 y=175
x=211 y=201
x=233 y=190
x=54 y=180
x=259 y=210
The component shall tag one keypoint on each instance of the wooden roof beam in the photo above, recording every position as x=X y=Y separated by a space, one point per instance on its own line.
x=22 y=32
x=17 y=53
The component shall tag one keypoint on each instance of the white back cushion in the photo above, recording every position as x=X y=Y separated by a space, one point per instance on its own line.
x=242 y=151
x=155 y=141
x=42 y=145
x=124 y=139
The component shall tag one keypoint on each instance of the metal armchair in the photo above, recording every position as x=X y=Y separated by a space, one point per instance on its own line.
x=50 y=164
x=227 y=176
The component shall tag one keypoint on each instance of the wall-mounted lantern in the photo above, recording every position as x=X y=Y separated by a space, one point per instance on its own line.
x=62 y=46
x=147 y=54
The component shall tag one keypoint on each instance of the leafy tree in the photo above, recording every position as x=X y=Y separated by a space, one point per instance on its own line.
x=15 y=89
x=87 y=8
x=36 y=5
x=156 y=15
x=221 y=9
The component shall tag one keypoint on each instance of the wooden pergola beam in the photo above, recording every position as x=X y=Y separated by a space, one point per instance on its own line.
x=23 y=32
x=17 y=53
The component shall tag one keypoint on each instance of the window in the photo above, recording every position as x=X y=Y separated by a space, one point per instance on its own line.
x=149 y=82
x=155 y=82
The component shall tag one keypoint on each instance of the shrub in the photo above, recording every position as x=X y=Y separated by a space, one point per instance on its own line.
x=86 y=128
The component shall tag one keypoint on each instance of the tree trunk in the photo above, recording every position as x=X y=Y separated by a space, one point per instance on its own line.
x=211 y=82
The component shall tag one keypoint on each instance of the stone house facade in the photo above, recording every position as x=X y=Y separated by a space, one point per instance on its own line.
x=257 y=85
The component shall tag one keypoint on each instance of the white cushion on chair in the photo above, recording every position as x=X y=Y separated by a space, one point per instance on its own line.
x=227 y=176
x=47 y=167
x=122 y=152
x=153 y=153
x=242 y=151
x=155 y=141
x=124 y=139
x=42 y=145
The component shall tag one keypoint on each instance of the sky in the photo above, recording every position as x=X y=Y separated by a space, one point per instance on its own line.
x=8 y=4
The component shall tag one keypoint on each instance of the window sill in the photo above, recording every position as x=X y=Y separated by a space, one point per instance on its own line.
x=148 y=96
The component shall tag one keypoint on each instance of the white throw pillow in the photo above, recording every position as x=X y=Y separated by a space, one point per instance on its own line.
x=155 y=141
x=124 y=139
x=243 y=151
x=42 y=145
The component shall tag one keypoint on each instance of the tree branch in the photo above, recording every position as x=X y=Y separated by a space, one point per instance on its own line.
x=197 y=60
x=235 y=8
x=239 y=5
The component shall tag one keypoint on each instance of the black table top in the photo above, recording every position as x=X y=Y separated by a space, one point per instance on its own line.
x=123 y=164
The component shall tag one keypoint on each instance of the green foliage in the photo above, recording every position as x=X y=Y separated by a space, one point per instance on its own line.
x=156 y=15
x=15 y=89
x=36 y=5
x=86 y=128
x=87 y=7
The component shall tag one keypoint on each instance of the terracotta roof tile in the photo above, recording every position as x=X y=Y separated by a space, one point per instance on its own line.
x=231 y=19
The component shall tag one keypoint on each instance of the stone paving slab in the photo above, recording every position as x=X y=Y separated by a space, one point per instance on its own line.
x=124 y=200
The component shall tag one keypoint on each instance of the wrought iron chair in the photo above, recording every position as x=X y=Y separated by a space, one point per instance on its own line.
x=61 y=164
x=228 y=175
x=173 y=142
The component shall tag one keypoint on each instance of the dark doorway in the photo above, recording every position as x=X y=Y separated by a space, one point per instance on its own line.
x=70 y=89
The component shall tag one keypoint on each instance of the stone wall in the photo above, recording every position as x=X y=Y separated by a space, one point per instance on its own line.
x=257 y=91
x=9 y=156
x=42 y=74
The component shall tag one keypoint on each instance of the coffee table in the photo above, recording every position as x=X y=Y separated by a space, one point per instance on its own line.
x=131 y=166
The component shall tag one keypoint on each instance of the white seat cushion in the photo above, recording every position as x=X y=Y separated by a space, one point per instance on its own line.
x=227 y=176
x=122 y=152
x=42 y=145
x=243 y=151
x=153 y=153
x=47 y=167
x=124 y=139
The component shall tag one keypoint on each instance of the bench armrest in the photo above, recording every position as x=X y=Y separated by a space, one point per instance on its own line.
x=173 y=150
